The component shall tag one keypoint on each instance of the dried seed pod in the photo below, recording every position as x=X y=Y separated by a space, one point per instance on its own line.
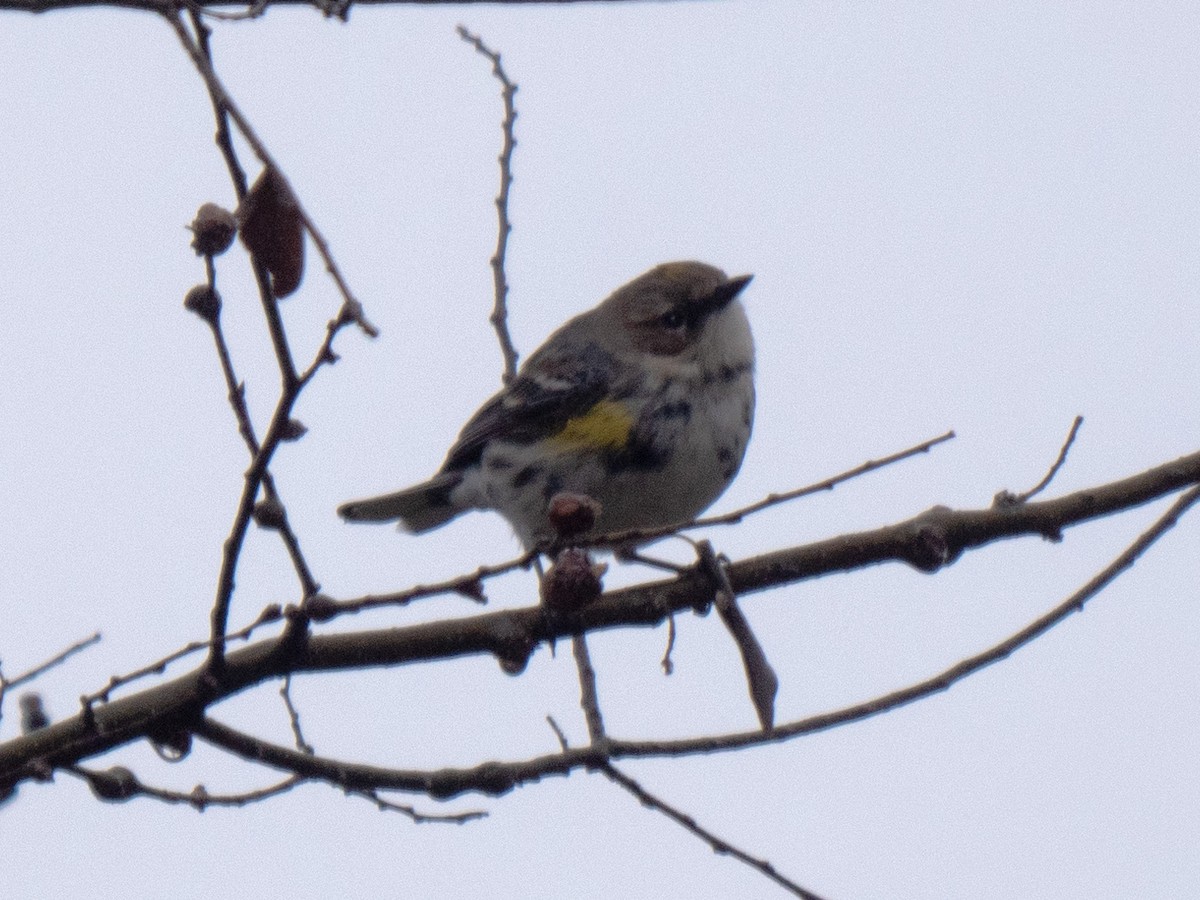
x=204 y=302
x=212 y=230
x=573 y=581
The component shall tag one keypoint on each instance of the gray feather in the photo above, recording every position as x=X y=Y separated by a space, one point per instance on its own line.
x=420 y=508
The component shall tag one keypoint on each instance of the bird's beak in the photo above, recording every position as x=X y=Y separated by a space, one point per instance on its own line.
x=724 y=295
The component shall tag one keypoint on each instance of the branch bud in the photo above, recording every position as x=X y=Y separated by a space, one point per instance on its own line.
x=116 y=784
x=204 y=302
x=33 y=713
x=213 y=230
x=269 y=514
x=572 y=514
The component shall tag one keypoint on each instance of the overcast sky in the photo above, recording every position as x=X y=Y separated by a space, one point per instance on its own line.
x=972 y=216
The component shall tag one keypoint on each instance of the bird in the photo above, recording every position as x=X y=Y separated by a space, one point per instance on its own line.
x=644 y=405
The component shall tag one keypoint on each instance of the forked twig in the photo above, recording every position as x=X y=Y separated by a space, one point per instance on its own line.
x=222 y=98
x=258 y=475
x=499 y=777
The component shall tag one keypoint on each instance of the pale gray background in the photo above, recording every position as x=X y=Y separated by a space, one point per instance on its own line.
x=972 y=216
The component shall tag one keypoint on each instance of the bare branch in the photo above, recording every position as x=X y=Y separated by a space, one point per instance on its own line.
x=236 y=392
x=281 y=425
x=718 y=845
x=1005 y=498
x=760 y=676
x=419 y=818
x=223 y=136
x=120 y=784
x=499 y=317
x=222 y=100
x=936 y=537
x=285 y=691
x=828 y=484
x=942 y=680
x=735 y=517
x=498 y=778
x=269 y=614
x=41 y=668
x=588 y=698
x=255 y=8
x=469 y=586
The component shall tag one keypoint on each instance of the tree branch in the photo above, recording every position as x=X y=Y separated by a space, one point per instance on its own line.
x=257 y=8
x=499 y=317
x=718 y=845
x=929 y=540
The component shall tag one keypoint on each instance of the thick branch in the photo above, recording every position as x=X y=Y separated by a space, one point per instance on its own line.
x=498 y=777
x=161 y=6
x=932 y=538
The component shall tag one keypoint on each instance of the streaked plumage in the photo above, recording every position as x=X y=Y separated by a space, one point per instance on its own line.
x=644 y=403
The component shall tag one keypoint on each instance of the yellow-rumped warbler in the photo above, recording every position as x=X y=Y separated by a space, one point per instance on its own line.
x=644 y=404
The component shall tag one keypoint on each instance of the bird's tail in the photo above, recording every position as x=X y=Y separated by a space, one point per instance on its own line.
x=420 y=508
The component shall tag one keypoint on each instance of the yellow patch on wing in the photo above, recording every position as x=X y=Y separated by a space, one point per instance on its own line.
x=605 y=426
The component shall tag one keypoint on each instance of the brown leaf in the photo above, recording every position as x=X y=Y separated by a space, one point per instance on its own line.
x=271 y=229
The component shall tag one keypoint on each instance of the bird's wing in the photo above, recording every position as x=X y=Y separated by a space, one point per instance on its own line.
x=552 y=388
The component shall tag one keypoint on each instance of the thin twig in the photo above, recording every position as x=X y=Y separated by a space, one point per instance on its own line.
x=761 y=679
x=223 y=136
x=56 y=660
x=735 y=517
x=464 y=585
x=200 y=53
x=236 y=392
x=718 y=844
x=499 y=317
x=588 y=699
x=943 y=680
x=732 y=518
x=128 y=786
x=224 y=108
x=270 y=614
x=558 y=733
x=94 y=731
x=1004 y=498
x=667 y=665
x=222 y=98
x=7 y=684
x=500 y=777
x=258 y=476
x=119 y=784
x=285 y=691
x=416 y=817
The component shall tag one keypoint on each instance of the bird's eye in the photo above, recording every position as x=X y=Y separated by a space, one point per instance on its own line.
x=672 y=320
